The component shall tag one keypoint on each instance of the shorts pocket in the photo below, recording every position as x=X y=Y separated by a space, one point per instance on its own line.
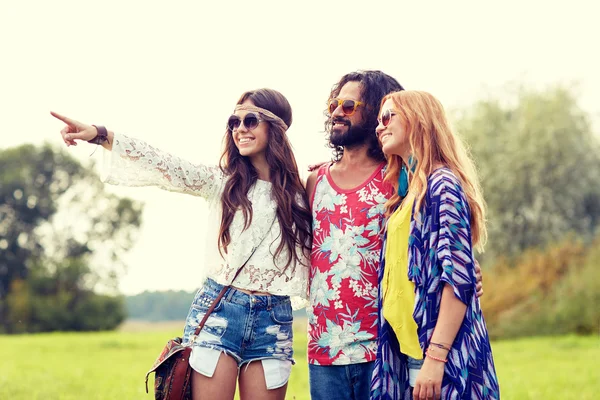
x=281 y=313
x=215 y=325
x=204 y=300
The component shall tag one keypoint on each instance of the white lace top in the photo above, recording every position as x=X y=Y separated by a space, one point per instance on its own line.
x=133 y=162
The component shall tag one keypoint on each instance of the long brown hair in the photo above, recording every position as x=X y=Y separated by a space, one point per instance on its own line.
x=293 y=213
x=432 y=142
x=373 y=86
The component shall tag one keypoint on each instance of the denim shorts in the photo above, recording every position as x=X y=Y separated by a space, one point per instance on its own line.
x=245 y=327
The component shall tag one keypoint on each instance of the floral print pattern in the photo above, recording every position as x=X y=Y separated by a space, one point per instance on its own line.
x=342 y=313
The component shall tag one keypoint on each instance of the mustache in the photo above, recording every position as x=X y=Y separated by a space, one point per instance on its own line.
x=339 y=120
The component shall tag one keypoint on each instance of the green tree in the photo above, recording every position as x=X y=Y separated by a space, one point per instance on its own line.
x=168 y=305
x=61 y=241
x=539 y=164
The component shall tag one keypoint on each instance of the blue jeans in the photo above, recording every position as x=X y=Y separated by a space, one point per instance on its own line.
x=343 y=382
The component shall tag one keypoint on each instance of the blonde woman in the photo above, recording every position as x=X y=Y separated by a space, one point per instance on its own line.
x=433 y=342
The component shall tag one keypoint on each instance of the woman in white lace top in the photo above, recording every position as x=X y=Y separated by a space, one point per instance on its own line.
x=261 y=223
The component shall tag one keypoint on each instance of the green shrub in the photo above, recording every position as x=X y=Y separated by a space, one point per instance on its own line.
x=545 y=292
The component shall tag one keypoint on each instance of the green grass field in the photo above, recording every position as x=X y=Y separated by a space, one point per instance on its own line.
x=112 y=365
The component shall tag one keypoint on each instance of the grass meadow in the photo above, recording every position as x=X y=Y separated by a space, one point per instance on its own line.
x=112 y=365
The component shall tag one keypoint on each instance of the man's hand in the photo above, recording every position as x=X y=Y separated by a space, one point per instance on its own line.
x=313 y=167
x=478 y=280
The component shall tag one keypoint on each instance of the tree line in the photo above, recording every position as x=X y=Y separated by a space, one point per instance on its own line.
x=62 y=236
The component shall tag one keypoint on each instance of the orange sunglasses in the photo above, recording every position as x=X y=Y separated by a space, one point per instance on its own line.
x=348 y=106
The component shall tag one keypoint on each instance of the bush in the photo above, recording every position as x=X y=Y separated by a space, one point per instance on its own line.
x=544 y=292
x=62 y=310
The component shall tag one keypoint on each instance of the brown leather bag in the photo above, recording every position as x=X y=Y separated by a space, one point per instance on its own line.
x=172 y=370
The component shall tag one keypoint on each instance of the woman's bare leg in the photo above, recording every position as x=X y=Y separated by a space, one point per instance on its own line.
x=253 y=385
x=222 y=384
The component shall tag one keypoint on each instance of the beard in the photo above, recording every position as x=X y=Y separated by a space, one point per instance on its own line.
x=348 y=136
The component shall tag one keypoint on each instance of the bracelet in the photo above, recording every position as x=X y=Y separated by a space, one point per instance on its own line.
x=436 y=358
x=439 y=346
x=101 y=137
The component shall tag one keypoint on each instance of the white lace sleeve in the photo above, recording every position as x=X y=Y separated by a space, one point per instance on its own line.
x=133 y=162
x=298 y=302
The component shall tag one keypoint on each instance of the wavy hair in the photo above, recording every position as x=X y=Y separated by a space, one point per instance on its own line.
x=374 y=85
x=433 y=142
x=293 y=212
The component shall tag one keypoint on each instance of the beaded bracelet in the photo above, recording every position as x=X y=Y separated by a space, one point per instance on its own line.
x=440 y=346
x=435 y=358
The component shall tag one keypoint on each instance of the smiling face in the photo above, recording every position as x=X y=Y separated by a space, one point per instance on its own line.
x=393 y=137
x=250 y=143
x=348 y=130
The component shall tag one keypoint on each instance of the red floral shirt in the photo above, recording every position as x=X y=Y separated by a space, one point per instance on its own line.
x=347 y=225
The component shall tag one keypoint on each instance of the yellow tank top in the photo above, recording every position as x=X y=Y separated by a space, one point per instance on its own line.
x=398 y=291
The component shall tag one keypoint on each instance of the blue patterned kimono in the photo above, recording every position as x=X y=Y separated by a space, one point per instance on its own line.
x=439 y=252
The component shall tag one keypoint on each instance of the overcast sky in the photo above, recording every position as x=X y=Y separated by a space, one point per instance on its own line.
x=171 y=72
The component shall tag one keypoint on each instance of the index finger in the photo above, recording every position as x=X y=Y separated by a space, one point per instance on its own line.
x=64 y=119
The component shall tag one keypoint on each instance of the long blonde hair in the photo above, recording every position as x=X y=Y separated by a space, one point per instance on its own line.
x=432 y=142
